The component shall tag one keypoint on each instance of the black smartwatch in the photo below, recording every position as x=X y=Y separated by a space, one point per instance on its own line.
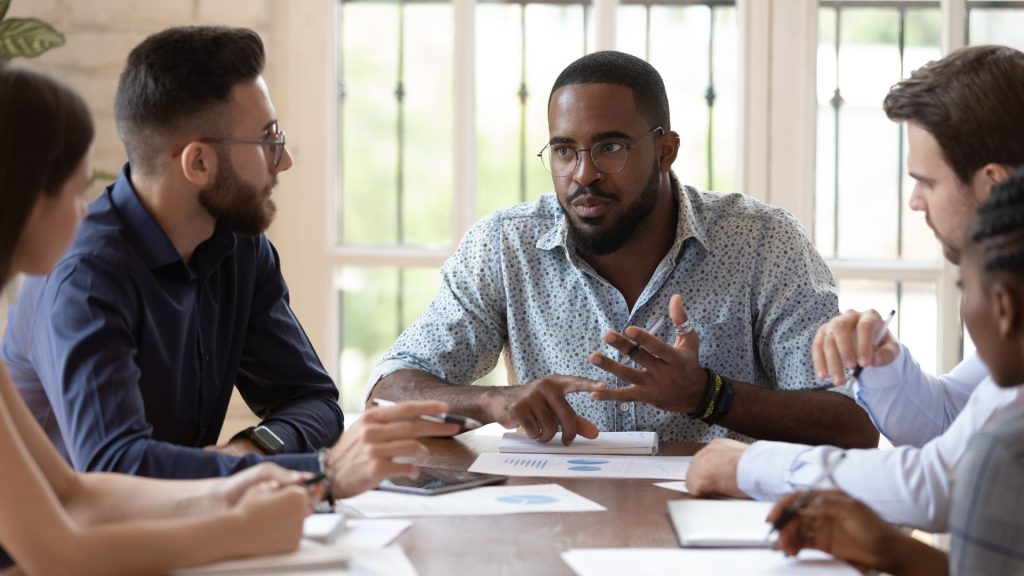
x=264 y=439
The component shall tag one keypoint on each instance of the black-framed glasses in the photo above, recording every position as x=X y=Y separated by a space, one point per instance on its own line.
x=609 y=156
x=275 y=140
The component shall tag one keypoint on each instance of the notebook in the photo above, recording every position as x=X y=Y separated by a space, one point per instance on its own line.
x=637 y=443
x=721 y=523
x=309 y=556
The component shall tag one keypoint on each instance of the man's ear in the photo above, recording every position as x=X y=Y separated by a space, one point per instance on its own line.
x=199 y=164
x=1006 y=309
x=668 y=150
x=988 y=176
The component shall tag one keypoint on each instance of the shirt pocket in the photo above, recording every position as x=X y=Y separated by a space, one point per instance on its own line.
x=727 y=347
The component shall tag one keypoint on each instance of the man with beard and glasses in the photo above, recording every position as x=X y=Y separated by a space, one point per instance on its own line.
x=556 y=283
x=965 y=135
x=171 y=296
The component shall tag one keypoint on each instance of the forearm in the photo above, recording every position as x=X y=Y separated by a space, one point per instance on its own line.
x=100 y=497
x=911 y=557
x=803 y=416
x=140 y=547
x=479 y=402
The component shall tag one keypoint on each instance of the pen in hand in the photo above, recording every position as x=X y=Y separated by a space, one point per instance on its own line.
x=804 y=500
x=465 y=422
x=874 y=342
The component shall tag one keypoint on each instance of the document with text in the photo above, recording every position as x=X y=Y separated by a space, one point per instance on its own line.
x=582 y=466
x=641 y=443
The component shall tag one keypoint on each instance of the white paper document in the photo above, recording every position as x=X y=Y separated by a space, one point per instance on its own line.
x=661 y=561
x=308 y=558
x=323 y=528
x=583 y=466
x=678 y=486
x=641 y=443
x=363 y=533
x=721 y=523
x=483 y=501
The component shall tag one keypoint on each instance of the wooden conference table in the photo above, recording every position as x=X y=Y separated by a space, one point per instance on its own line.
x=636 y=516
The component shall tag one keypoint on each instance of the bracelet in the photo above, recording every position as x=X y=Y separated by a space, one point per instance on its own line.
x=709 y=397
x=327 y=475
x=723 y=404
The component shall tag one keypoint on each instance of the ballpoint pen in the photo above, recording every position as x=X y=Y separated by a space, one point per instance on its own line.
x=793 y=509
x=465 y=422
x=653 y=330
x=874 y=342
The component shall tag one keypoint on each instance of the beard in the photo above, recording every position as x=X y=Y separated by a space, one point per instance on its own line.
x=602 y=242
x=238 y=206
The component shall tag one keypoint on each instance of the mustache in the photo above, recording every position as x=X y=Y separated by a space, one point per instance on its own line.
x=590 y=191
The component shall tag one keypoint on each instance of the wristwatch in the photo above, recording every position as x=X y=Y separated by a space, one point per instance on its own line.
x=264 y=439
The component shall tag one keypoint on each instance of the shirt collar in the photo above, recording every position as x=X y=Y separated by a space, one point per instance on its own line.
x=687 y=225
x=151 y=242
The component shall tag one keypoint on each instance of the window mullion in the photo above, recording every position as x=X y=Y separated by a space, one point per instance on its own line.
x=464 y=197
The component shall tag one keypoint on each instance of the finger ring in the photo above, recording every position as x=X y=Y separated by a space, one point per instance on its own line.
x=633 y=350
x=684 y=328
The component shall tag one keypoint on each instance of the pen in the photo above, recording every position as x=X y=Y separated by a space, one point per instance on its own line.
x=318 y=477
x=465 y=422
x=793 y=509
x=878 y=338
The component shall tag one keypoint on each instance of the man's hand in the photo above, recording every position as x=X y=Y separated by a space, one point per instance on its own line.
x=667 y=377
x=540 y=408
x=382 y=443
x=713 y=469
x=847 y=341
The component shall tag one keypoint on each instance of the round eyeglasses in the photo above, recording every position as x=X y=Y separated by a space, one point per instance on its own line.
x=609 y=156
x=276 y=141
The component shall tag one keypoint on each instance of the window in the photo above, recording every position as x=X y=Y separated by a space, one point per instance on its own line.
x=884 y=256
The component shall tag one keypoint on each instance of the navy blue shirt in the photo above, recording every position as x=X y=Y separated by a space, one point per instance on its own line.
x=127 y=357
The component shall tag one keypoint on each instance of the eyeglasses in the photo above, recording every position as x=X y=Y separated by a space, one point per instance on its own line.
x=276 y=145
x=275 y=139
x=609 y=156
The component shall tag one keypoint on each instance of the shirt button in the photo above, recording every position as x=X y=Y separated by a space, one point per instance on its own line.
x=624 y=407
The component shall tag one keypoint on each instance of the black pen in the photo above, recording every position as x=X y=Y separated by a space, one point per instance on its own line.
x=318 y=477
x=804 y=500
x=465 y=422
x=874 y=342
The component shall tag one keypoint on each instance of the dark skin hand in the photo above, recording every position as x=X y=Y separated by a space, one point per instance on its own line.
x=847 y=529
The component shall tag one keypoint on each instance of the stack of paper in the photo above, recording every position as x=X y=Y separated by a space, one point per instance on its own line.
x=309 y=556
x=721 y=523
x=582 y=466
x=659 y=561
x=607 y=443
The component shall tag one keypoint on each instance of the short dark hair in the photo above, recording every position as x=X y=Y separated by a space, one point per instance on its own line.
x=179 y=79
x=972 y=102
x=610 y=67
x=45 y=131
x=998 y=226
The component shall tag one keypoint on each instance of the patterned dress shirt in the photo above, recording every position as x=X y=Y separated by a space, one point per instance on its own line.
x=748 y=274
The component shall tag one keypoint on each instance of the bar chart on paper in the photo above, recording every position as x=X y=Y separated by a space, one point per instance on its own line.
x=582 y=465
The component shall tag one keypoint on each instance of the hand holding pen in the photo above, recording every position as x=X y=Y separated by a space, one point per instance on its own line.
x=840 y=525
x=853 y=340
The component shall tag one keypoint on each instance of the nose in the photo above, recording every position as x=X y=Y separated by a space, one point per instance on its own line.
x=917 y=202
x=285 y=163
x=586 y=172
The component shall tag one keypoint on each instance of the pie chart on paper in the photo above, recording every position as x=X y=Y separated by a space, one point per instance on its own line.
x=527 y=499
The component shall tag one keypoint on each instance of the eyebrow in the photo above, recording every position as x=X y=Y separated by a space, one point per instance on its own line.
x=920 y=178
x=600 y=136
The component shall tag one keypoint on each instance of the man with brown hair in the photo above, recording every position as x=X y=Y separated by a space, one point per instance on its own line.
x=965 y=133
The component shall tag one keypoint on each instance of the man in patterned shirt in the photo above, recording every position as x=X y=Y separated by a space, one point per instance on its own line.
x=556 y=282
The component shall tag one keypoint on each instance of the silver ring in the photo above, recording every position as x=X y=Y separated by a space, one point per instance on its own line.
x=684 y=328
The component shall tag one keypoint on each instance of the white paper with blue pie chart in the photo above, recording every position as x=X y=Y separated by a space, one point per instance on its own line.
x=582 y=466
x=483 y=501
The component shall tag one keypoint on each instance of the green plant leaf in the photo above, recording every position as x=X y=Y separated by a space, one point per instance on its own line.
x=4 y=5
x=27 y=37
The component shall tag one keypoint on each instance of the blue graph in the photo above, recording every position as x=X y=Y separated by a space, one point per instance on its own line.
x=527 y=499
x=537 y=463
x=586 y=464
